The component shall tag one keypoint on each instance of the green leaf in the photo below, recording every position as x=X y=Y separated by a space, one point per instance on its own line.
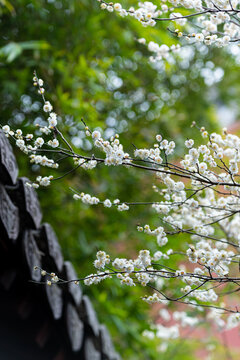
x=7 y=5
x=12 y=50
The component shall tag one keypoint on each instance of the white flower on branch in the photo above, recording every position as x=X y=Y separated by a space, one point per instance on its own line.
x=47 y=107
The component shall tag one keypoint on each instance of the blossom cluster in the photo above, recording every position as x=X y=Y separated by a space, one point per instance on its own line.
x=206 y=167
x=112 y=149
x=208 y=22
x=167 y=332
x=31 y=144
x=92 y=200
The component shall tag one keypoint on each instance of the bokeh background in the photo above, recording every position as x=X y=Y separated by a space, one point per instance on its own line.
x=94 y=68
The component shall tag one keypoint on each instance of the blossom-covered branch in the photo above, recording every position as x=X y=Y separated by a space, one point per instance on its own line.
x=208 y=22
x=198 y=198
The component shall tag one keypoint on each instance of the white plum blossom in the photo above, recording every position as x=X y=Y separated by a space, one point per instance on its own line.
x=6 y=129
x=53 y=143
x=107 y=203
x=52 y=120
x=189 y=143
x=47 y=107
x=20 y=143
x=39 y=142
x=96 y=135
